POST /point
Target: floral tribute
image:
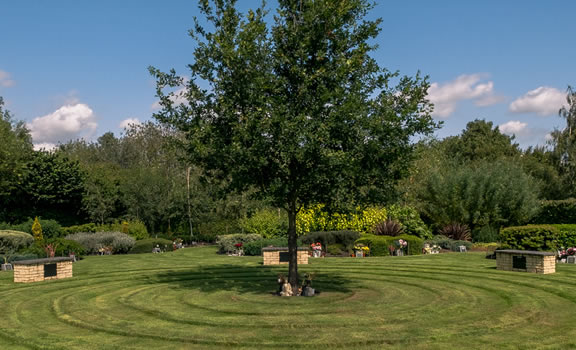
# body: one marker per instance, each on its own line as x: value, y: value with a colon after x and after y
x: 399, y: 247
x: 361, y: 248
x: 563, y: 254
x: 316, y: 249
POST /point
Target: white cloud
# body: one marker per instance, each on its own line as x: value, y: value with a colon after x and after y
x: 44, y: 146
x: 466, y: 87
x: 66, y: 123
x: 5, y: 79
x: 178, y: 96
x: 543, y: 101
x: 524, y: 134
x: 513, y: 127
x: 128, y: 123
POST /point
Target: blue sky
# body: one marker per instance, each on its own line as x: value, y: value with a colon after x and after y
x: 79, y: 68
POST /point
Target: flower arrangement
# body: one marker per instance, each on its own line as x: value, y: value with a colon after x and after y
x: 316, y: 246
x: 398, y: 247
x: 238, y: 245
x: 361, y: 248
x: 316, y: 249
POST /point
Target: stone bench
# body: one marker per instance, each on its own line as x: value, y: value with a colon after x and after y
x: 525, y: 261
x: 26, y: 271
x: 279, y: 255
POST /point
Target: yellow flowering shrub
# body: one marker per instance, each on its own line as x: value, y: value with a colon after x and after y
x: 315, y: 218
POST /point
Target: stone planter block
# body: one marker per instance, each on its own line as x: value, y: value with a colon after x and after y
x: 525, y: 261
x: 279, y: 255
x: 37, y: 270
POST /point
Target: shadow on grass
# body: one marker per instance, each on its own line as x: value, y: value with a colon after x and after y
x: 246, y: 279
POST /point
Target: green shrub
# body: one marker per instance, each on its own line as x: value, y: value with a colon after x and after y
x: 441, y: 241
x: 64, y: 247
x: 12, y: 241
x: 556, y: 212
x: 486, y: 194
x: 456, y: 231
x: 255, y: 248
x: 448, y: 243
x: 490, y: 246
x: 134, y: 228
x: 20, y: 257
x: 91, y: 227
x: 120, y: 243
x: 346, y: 238
x: 455, y: 245
x: 388, y: 228
x: 410, y: 220
x: 566, y: 235
x: 146, y: 245
x: 266, y: 222
x: 336, y: 249
x: 226, y: 242
x: 379, y: 244
x: 485, y: 234
x: 530, y: 237
x: 50, y: 228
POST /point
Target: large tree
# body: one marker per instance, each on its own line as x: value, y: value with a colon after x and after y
x: 564, y: 142
x: 295, y: 105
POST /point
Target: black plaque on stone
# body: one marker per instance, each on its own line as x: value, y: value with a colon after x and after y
x: 50, y: 270
x: 519, y: 262
x: 284, y: 257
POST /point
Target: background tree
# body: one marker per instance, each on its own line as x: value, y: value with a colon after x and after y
x: 481, y: 141
x: 564, y: 143
x: 297, y: 108
x: 486, y: 195
x: 15, y: 153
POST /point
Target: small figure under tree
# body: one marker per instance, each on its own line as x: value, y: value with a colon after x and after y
x: 295, y: 106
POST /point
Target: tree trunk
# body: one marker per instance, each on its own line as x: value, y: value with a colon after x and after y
x: 292, y: 248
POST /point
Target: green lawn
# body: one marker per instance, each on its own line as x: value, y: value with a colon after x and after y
x: 194, y: 298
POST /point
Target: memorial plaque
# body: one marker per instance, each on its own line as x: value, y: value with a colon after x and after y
x: 284, y: 257
x: 50, y: 270
x: 519, y: 262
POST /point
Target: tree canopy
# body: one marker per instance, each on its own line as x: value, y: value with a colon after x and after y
x: 296, y: 106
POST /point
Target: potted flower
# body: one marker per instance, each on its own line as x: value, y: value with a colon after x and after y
x: 6, y: 266
x: 360, y: 250
x: 316, y: 249
x: 400, y: 245
x: 239, y: 250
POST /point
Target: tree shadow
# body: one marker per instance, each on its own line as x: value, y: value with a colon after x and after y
x: 247, y: 279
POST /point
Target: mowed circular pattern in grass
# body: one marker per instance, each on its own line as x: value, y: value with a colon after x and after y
x: 195, y: 298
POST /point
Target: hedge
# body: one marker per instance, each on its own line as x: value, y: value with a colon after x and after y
x: 11, y: 241
x: 146, y: 245
x: 556, y: 212
x: 530, y: 237
x: 448, y: 243
x: 379, y: 244
x: 566, y: 235
x: 226, y: 242
x: 346, y: 238
x: 255, y: 248
x: 93, y: 242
